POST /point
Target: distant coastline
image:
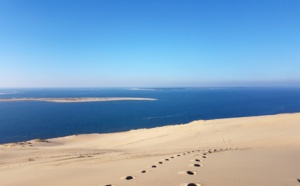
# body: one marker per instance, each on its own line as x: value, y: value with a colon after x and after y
x: 76, y: 100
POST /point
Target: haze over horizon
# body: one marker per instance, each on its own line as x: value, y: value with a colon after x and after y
x: 157, y: 43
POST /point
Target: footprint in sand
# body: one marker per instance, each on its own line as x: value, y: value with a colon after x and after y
x: 197, y: 160
x: 178, y: 154
x: 161, y: 162
x: 144, y: 171
x: 190, y: 172
x: 187, y: 172
x: 154, y: 166
x: 128, y: 177
x: 196, y: 165
x: 193, y: 184
x: 203, y: 156
x: 298, y: 180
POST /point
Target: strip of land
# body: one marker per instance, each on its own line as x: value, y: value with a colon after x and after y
x: 260, y: 151
x: 76, y: 100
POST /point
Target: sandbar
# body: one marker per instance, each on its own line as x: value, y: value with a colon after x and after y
x: 260, y: 151
x: 76, y: 100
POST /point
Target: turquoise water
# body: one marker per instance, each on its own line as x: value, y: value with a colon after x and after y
x: 21, y: 121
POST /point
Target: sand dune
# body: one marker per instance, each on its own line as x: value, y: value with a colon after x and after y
x: 263, y: 150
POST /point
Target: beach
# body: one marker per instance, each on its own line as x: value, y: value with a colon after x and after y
x: 259, y: 150
x: 75, y: 100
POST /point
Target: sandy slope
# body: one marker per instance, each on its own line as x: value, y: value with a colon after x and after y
x: 247, y: 151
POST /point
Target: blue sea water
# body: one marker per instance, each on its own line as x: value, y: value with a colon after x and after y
x: 20, y: 121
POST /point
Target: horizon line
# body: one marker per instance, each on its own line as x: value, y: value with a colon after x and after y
x: 152, y: 87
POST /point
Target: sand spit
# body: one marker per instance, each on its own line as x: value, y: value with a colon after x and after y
x: 76, y: 100
x: 260, y: 151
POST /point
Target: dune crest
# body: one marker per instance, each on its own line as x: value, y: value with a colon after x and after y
x: 261, y: 150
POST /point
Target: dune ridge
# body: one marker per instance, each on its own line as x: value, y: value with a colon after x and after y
x: 260, y: 150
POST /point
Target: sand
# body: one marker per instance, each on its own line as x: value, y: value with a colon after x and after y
x: 76, y: 100
x: 249, y: 151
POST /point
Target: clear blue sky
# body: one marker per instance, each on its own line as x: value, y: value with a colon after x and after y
x: 149, y: 43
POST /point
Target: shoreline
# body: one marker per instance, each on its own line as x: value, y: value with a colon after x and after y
x: 256, y: 150
x: 152, y: 128
x: 76, y: 100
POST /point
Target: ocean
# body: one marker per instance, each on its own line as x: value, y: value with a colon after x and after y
x: 21, y: 121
